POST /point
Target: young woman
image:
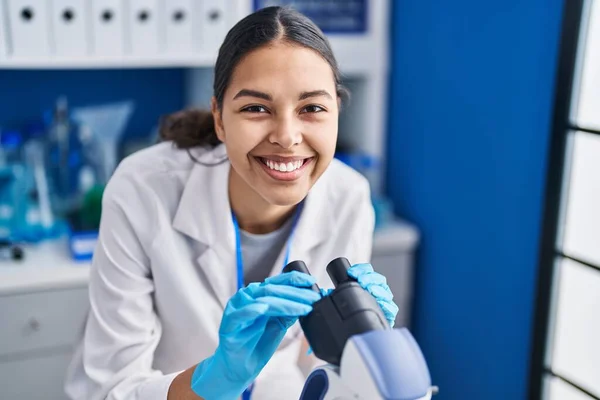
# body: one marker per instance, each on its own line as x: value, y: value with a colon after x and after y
x: 187, y: 296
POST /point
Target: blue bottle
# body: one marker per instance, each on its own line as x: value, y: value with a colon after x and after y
x: 12, y: 180
x: 12, y: 145
x: 65, y: 159
x: 6, y: 203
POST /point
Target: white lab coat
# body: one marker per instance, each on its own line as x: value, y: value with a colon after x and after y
x: 165, y: 267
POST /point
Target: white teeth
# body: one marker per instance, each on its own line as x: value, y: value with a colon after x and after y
x: 284, y: 167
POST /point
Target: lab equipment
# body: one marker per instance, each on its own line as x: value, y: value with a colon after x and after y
x: 13, y: 196
x: 40, y: 223
x: 345, y: 311
x: 367, y: 359
x: 11, y: 143
x: 7, y: 205
x: 84, y: 225
x: 107, y: 122
x: 253, y: 325
x: 10, y: 251
x: 91, y: 208
x: 24, y: 186
x: 35, y: 157
x: 82, y: 244
x: 379, y: 364
x: 21, y: 218
x: 65, y: 158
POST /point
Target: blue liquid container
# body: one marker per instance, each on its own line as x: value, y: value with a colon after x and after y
x: 65, y: 160
x: 12, y: 183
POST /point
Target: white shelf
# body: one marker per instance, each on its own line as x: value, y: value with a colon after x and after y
x: 373, y: 60
x: 160, y: 61
x: 360, y: 54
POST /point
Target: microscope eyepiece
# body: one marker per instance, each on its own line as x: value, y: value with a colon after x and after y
x: 346, y: 311
x: 300, y: 266
x: 337, y: 271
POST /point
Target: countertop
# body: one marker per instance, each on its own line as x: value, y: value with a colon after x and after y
x: 46, y: 266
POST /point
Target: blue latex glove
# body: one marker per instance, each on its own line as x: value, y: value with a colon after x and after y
x: 254, y: 322
x: 376, y: 284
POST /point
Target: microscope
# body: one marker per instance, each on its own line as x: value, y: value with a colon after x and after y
x: 367, y: 359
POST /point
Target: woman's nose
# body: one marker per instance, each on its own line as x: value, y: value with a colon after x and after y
x: 286, y: 133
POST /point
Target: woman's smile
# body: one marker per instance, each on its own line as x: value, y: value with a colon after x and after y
x: 285, y: 168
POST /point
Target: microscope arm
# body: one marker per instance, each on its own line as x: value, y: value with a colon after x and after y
x: 377, y: 365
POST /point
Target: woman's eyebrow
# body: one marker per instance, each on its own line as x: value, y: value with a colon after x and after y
x: 253, y: 93
x: 314, y: 93
x: 268, y: 97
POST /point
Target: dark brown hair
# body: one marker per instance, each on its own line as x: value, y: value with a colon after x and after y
x: 196, y: 127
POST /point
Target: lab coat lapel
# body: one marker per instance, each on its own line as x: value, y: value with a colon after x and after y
x: 204, y: 215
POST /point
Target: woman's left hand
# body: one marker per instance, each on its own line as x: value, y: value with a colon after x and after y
x: 376, y: 284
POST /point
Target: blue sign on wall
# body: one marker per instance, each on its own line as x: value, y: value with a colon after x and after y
x: 332, y: 16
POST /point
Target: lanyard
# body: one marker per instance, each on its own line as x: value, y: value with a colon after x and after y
x: 240, y: 264
x: 238, y: 246
x: 248, y: 392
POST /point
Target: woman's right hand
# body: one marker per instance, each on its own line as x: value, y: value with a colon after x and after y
x: 254, y: 322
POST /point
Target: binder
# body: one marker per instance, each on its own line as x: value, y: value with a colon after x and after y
x: 70, y: 23
x: 3, y: 32
x: 178, y: 26
x: 142, y: 19
x: 29, y: 28
x: 214, y: 25
x: 108, y: 31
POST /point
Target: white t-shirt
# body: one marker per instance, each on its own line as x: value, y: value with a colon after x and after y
x: 260, y: 251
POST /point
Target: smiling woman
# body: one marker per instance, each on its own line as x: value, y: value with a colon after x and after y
x: 275, y: 108
x: 188, y: 299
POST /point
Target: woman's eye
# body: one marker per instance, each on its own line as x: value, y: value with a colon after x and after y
x: 312, y: 109
x: 255, y: 109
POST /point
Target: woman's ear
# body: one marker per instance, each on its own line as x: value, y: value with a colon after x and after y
x: 216, y: 113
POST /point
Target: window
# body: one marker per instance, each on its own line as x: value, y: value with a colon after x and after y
x: 566, y: 355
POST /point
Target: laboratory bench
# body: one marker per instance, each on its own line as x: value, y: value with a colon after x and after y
x: 44, y: 304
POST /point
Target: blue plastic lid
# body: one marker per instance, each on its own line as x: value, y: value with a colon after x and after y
x: 11, y: 139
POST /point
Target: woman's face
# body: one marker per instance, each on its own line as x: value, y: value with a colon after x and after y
x: 279, y: 121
